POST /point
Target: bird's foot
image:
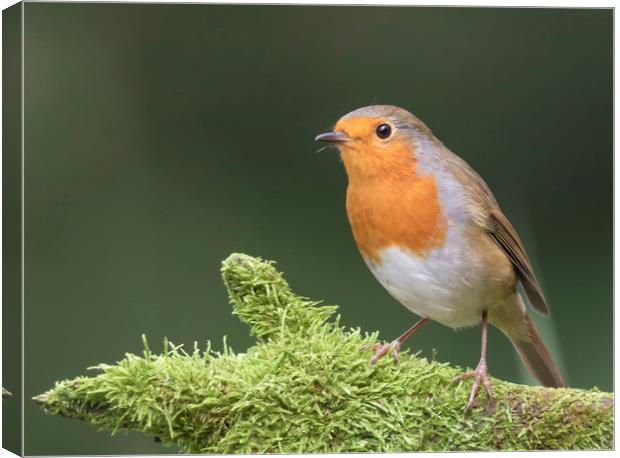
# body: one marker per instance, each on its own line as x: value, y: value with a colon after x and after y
x: 383, y: 349
x: 480, y: 376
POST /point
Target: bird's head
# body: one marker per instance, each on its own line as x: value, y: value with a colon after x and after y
x: 376, y: 141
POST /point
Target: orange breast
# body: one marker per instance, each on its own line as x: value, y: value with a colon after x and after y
x: 396, y: 208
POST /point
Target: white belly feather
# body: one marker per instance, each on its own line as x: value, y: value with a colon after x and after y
x: 446, y: 285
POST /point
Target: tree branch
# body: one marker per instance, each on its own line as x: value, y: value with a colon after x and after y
x: 306, y: 387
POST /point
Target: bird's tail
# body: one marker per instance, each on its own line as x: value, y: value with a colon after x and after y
x: 536, y: 357
x: 512, y: 319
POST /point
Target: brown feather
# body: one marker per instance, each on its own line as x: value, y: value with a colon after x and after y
x: 506, y: 237
x: 536, y: 358
x: 511, y: 318
x: 491, y: 218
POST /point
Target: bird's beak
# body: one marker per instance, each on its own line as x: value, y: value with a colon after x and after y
x: 336, y: 136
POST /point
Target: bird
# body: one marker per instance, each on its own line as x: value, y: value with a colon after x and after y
x: 431, y: 232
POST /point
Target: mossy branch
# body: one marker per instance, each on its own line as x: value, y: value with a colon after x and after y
x: 305, y: 387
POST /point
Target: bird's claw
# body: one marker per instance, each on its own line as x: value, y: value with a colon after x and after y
x: 480, y: 376
x: 383, y: 349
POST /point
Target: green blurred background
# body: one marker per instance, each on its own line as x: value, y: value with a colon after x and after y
x: 161, y: 138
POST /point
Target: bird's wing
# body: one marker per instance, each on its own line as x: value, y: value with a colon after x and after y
x: 490, y: 217
x: 506, y: 237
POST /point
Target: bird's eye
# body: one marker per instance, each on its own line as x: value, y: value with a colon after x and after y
x: 384, y: 131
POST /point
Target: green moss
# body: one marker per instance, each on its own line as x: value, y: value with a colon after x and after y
x: 306, y: 387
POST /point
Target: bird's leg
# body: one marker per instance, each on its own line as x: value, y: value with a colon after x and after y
x: 480, y: 375
x: 394, y: 347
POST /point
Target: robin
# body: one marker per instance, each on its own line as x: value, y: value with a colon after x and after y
x: 433, y: 235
